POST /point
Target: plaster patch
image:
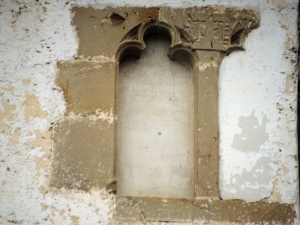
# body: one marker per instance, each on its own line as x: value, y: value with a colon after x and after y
x: 62, y: 212
x: 14, y: 139
x: 102, y: 58
x: 26, y: 82
x: 253, y: 185
x: 204, y: 66
x: 287, y: 44
x: 75, y: 220
x: 253, y: 134
x: 285, y: 169
x: 44, y: 206
x: 43, y: 140
x: 10, y: 89
x: 104, y: 116
x: 98, y: 115
x: 276, y: 196
x: 43, y: 190
x: 288, y: 82
x: 42, y: 162
x: 33, y: 107
x: 29, y: 133
x: 51, y: 219
x: 6, y: 115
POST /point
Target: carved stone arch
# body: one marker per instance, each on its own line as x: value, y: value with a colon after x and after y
x: 133, y: 42
x: 182, y: 52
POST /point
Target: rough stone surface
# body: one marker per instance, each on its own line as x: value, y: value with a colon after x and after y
x: 84, y: 153
x: 95, y: 23
x: 155, y: 209
x: 35, y: 35
x: 84, y: 139
x: 87, y: 85
x: 207, y: 131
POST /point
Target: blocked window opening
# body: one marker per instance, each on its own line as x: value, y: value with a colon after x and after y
x: 84, y: 154
x: 155, y: 137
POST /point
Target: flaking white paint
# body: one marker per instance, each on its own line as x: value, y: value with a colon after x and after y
x: 259, y: 92
x: 263, y: 79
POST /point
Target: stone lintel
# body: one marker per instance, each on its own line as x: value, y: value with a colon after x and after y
x: 180, y: 210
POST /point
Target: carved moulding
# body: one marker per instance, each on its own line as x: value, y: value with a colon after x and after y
x: 198, y: 36
x: 204, y: 28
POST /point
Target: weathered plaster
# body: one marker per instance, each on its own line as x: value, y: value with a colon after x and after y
x: 35, y: 35
x: 88, y: 159
x: 272, y: 104
x: 33, y: 107
x: 252, y: 135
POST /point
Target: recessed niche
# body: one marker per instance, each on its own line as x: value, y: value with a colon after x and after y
x: 155, y: 134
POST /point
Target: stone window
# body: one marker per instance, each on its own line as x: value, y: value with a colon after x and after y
x: 86, y: 140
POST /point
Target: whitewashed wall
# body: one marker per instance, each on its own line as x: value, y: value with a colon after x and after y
x: 258, y: 112
x: 258, y: 145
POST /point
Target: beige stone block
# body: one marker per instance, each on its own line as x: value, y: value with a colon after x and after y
x: 87, y: 85
x: 101, y: 31
x: 153, y: 209
x: 240, y: 212
x: 83, y: 153
x: 180, y: 210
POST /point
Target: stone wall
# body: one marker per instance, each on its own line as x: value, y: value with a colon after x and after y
x: 257, y: 111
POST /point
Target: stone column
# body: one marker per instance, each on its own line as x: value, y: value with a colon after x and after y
x: 206, y: 127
